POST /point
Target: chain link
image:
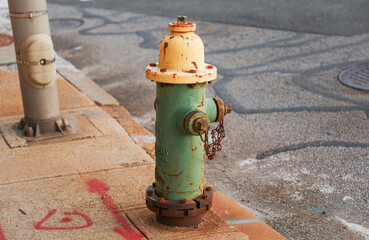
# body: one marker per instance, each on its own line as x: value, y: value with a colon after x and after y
x: 217, y: 136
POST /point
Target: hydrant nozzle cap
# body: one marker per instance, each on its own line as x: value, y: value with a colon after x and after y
x: 182, y: 25
x: 182, y: 19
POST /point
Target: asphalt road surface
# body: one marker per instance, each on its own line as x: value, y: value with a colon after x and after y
x: 297, y: 143
x: 333, y: 17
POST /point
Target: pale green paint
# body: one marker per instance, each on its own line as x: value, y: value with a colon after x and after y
x: 179, y: 171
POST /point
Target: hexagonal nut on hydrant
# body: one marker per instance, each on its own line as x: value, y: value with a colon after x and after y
x: 197, y: 122
x: 200, y: 125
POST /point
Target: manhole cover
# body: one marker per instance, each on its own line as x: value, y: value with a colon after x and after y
x: 65, y: 23
x: 5, y: 40
x: 356, y: 77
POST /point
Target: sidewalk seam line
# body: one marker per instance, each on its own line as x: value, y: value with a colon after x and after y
x: 75, y: 174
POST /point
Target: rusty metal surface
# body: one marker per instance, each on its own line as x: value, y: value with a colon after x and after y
x: 5, y: 40
x: 38, y: 130
x: 356, y: 77
x: 82, y: 128
x: 196, y: 122
x: 217, y: 135
x: 184, y: 213
x: 221, y: 110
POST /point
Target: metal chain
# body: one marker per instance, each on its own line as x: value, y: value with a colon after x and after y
x: 217, y: 136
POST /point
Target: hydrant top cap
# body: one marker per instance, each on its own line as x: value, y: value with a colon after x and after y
x: 182, y: 27
x: 181, y: 57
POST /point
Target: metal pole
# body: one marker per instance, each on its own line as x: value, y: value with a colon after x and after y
x: 36, y: 68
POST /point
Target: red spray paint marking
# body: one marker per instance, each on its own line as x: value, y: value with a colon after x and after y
x: 95, y: 186
x: 52, y: 212
x: 2, y: 235
x: 64, y: 220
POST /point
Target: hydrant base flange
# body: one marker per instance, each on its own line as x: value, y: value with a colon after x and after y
x: 184, y: 213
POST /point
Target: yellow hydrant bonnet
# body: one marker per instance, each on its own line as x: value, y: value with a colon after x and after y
x: 181, y: 57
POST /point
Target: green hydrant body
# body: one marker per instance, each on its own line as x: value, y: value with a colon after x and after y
x: 183, y: 117
x: 179, y: 170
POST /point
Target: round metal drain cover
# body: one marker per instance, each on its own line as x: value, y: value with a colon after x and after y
x: 5, y: 40
x: 356, y: 77
x: 65, y: 23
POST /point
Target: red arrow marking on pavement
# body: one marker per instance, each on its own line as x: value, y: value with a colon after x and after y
x: 52, y: 212
x: 95, y: 186
x: 2, y: 235
x: 66, y: 220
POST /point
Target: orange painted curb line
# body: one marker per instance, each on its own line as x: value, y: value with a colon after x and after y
x: 234, y: 214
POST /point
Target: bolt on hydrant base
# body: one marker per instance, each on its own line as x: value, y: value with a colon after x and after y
x: 183, y: 117
x: 183, y: 213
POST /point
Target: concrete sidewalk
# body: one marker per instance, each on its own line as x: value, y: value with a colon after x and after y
x: 90, y: 184
x: 297, y: 147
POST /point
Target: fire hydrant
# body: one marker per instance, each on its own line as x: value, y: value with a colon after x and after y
x: 183, y: 117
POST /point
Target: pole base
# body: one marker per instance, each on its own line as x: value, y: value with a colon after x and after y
x: 35, y: 130
x: 184, y: 213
